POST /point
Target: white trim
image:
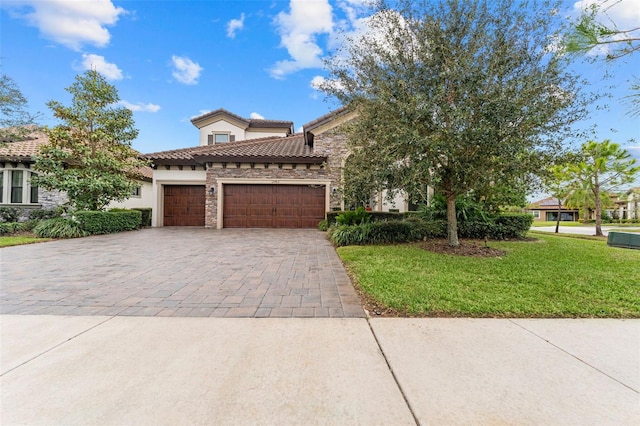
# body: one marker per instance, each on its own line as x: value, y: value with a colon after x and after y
x: 261, y: 181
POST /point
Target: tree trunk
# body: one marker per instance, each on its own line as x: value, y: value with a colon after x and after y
x: 452, y: 223
x: 558, y: 215
x: 596, y: 195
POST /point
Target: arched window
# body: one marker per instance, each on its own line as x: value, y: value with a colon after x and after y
x: 16, y: 188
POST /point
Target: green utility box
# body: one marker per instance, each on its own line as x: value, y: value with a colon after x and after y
x: 624, y: 240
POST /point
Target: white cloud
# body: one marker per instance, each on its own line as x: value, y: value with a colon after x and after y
x: 256, y: 116
x: 185, y: 70
x: 71, y: 23
x: 140, y: 107
x: 235, y: 25
x: 298, y: 31
x: 98, y: 63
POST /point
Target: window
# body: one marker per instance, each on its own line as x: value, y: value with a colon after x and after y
x: 221, y: 137
x: 15, y: 187
x: 215, y: 138
x: 136, y: 192
x: 536, y: 214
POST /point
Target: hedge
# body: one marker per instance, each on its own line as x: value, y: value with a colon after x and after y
x: 101, y: 222
x: 146, y: 215
x: 507, y: 226
x: 373, y: 216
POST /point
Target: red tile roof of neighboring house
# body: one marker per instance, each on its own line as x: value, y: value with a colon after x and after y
x: 549, y: 203
x: 291, y: 149
x: 23, y: 152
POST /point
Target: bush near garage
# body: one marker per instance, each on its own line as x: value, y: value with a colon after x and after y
x: 108, y: 222
x: 146, y: 215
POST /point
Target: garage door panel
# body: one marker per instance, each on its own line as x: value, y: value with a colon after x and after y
x: 184, y: 205
x: 273, y: 206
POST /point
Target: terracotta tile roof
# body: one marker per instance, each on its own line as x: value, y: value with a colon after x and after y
x: 272, y: 149
x: 23, y: 151
x: 249, y: 122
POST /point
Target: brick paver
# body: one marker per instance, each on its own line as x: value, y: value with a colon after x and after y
x: 191, y: 272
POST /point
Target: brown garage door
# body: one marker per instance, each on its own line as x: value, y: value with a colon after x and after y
x: 273, y: 206
x: 184, y: 205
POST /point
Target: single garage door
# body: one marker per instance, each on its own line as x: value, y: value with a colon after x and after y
x: 273, y: 206
x: 184, y: 205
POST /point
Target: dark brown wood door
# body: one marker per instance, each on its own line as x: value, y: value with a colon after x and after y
x: 184, y: 205
x: 273, y: 206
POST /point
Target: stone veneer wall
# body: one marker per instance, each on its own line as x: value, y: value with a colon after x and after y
x: 51, y: 199
x: 331, y: 144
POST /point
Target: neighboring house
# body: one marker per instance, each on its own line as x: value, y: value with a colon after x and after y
x: 547, y: 210
x: 280, y: 181
x: 16, y: 169
x: 633, y: 203
x: 627, y: 205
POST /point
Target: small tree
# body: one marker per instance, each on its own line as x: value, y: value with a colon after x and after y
x: 89, y: 156
x: 15, y: 120
x: 604, y: 168
x: 457, y: 94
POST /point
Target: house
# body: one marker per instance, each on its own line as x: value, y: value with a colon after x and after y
x: 281, y: 180
x: 547, y: 210
x: 16, y: 162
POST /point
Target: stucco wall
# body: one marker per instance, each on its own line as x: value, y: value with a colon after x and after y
x: 145, y: 199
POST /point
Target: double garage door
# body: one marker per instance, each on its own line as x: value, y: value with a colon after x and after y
x: 273, y: 206
x: 248, y: 206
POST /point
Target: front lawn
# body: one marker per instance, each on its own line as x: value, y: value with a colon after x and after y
x: 550, y: 277
x: 17, y: 240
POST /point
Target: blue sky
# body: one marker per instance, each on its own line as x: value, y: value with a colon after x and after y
x: 173, y: 60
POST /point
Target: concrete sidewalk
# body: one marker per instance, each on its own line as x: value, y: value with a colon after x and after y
x: 585, y: 230
x: 149, y: 370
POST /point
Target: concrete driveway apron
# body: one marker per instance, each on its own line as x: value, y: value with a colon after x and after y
x: 180, y: 272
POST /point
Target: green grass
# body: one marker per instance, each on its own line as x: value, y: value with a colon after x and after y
x: 551, y: 277
x: 20, y: 240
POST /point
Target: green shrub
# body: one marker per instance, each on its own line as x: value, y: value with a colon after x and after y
x: 10, y: 214
x: 332, y: 217
x: 427, y: 229
x: 323, y: 225
x: 11, y: 227
x: 353, y: 217
x: 42, y: 214
x: 59, y: 227
x: 146, y: 215
x: 374, y: 233
x: 101, y: 222
x: 516, y: 225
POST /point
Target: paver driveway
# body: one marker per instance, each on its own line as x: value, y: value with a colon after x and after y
x: 180, y: 272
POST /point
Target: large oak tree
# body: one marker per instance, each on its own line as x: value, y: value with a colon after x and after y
x: 463, y: 95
